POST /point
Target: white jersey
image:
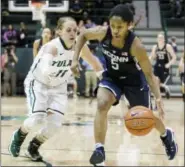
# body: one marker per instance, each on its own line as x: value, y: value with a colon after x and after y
x: 60, y: 65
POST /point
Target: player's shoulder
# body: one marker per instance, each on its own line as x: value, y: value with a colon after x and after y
x: 50, y: 47
x: 168, y: 45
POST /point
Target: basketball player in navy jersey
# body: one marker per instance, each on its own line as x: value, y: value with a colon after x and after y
x: 129, y: 72
x: 46, y: 37
x: 165, y: 57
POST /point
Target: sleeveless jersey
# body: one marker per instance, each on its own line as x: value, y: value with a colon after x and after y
x: 120, y: 64
x: 162, y: 56
x: 60, y: 65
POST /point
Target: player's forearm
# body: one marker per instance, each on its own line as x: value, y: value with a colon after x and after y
x: 154, y: 86
x: 46, y: 62
x: 172, y: 61
x: 97, y: 66
x: 78, y: 47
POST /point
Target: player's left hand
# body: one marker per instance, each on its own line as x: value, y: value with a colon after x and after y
x: 160, y: 107
x: 75, y: 68
x: 167, y: 65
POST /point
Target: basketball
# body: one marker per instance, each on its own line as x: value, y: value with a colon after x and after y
x: 139, y: 120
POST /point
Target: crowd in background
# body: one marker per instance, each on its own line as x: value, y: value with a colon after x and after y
x: 12, y: 38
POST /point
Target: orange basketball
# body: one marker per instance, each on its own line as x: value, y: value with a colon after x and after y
x: 139, y: 120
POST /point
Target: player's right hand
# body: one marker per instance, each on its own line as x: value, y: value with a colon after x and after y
x: 75, y: 68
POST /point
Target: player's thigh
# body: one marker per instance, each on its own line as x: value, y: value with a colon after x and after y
x: 159, y: 72
x: 105, y: 98
x: 137, y: 96
x: 57, y: 103
x: 111, y: 91
x: 36, y: 96
x: 166, y: 76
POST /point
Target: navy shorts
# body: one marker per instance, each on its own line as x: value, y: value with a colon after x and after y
x: 136, y: 95
x: 162, y: 73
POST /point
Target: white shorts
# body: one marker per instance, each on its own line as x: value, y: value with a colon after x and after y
x: 71, y: 80
x: 41, y: 98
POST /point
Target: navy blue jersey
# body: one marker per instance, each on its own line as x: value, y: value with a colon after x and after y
x: 162, y: 56
x: 121, y: 65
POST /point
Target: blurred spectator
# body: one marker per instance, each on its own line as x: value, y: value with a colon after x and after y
x: 89, y: 7
x: 90, y: 24
x: 4, y: 8
x: 99, y: 10
x: 72, y: 87
x: 90, y: 78
x: 105, y: 23
x: 99, y: 3
x: 10, y: 36
x: 46, y: 37
x: 22, y: 35
x: 3, y: 57
x: 75, y: 7
x: 3, y: 29
x: 174, y: 44
x: 10, y: 60
x: 85, y: 15
x: 176, y: 8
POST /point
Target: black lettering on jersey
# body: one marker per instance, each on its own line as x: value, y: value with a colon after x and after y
x: 54, y: 62
x: 60, y: 63
x: 69, y: 63
x: 64, y: 63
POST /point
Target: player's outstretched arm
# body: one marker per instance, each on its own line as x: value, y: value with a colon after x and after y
x: 172, y: 54
x: 92, y: 60
x: 138, y: 51
x: 96, y: 33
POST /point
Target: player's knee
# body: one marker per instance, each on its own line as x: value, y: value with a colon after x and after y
x: 34, y: 121
x: 103, y: 105
x: 54, y: 123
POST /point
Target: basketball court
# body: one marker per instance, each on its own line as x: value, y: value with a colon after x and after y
x: 74, y: 144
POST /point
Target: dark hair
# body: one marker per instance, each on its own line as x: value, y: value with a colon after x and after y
x: 124, y: 11
x: 132, y: 7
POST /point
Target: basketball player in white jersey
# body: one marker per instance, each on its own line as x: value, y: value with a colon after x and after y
x: 46, y: 88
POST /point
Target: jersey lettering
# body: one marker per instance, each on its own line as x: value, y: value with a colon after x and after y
x: 61, y: 73
x: 161, y: 56
x: 63, y: 63
x: 114, y: 57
